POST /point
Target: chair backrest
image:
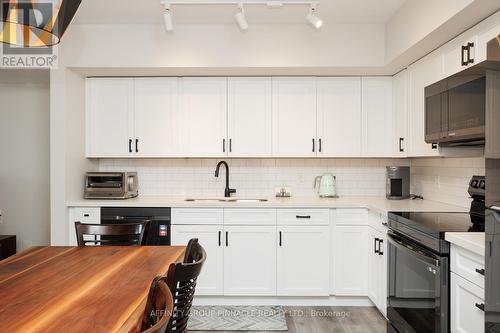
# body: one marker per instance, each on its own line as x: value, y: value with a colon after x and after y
x: 181, y: 280
x: 159, y: 307
x: 127, y: 234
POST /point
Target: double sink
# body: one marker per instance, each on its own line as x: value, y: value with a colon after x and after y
x: 225, y: 200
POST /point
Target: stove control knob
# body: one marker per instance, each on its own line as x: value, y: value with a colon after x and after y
x: 482, y: 185
x: 473, y: 183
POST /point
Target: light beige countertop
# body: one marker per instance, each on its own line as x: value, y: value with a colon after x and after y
x: 472, y: 241
x: 379, y: 204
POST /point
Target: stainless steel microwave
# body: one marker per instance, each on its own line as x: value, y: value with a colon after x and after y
x: 455, y: 110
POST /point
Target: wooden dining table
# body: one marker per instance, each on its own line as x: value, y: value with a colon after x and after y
x: 80, y: 289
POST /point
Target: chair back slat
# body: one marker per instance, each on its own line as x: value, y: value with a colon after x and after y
x: 159, y: 307
x: 126, y: 234
x: 181, y: 280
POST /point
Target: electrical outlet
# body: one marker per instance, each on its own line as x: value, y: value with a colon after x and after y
x: 1, y: 219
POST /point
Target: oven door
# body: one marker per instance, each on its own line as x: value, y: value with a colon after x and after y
x: 418, y: 288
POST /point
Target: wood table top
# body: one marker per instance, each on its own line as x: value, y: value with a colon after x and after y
x: 80, y: 289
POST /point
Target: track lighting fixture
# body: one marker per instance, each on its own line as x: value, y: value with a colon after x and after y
x: 167, y: 18
x: 240, y: 18
x: 312, y: 19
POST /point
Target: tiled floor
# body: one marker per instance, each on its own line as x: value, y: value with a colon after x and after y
x: 332, y: 320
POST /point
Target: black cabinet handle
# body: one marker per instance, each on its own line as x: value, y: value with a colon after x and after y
x: 469, y: 59
x: 223, y: 145
x: 230, y: 145
x: 280, y: 238
x: 129, y: 145
x: 227, y: 239
x: 314, y: 142
x: 380, y: 252
x: 320, y: 145
x: 464, y: 59
x: 401, y: 149
x: 480, y: 271
x: 302, y: 216
x: 434, y: 146
x: 136, y: 145
x: 375, y: 241
x: 86, y: 215
x: 220, y: 232
x: 480, y: 306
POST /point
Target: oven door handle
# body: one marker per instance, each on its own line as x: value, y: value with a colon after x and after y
x: 397, y: 242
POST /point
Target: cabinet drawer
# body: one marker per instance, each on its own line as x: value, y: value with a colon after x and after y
x: 466, y: 298
x: 238, y: 216
x: 303, y: 216
x: 351, y: 216
x: 90, y: 215
x: 467, y: 264
x: 197, y: 216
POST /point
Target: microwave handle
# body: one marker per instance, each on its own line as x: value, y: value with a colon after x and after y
x: 398, y: 243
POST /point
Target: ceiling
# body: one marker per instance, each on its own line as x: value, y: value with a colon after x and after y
x: 150, y: 11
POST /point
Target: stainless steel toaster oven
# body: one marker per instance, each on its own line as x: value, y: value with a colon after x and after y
x: 111, y: 185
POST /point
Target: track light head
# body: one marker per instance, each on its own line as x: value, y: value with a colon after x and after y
x: 312, y: 19
x: 167, y: 18
x: 240, y: 18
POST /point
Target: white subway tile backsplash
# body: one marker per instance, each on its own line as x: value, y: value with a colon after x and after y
x: 439, y: 179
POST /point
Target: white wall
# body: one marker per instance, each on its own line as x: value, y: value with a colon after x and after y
x: 24, y: 166
x: 223, y: 46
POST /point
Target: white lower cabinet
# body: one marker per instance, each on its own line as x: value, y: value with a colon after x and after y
x: 250, y: 260
x: 303, y: 260
x: 466, y: 302
x: 210, y: 281
x: 351, y: 260
x: 377, y: 266
x: 87, y: 215
x: 467, y: 291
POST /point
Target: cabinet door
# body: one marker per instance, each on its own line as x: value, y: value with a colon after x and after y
x: 250, y: 260
x: 374, y: 287
x: 109, y: 117
x: 351, y: 260
x: 210, y: 281
x: 339, y: 117
x: 249, y: 117
x: 466, y: 317
x: 382, y: 303
x: 156, y: 116
x: 294, y: 117
x: 421, y: 74
x: 400, y: 114
x: 459, y: 52
x: 376, y: 104
x: 204, y: 117
x: 303, y: 260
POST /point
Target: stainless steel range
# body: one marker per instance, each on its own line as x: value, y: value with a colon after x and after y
x: 419, y: 272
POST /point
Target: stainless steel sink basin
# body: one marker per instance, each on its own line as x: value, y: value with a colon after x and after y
x: 226, y: 200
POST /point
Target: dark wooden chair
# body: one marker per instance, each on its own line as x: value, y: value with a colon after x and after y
x: 159, y: 307
x: 181, y: 280
x: 129, y: 234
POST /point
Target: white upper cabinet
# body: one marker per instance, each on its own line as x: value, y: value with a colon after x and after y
x: 294, y: 117
x: 203, y: 107
x: 339, y: 117
x: 156, y: 115
x: 460, y: 53
x: 421, y: 74
x: 109, y: 117
x: 376, y: 116
x: 400, y: 114
x: 249, y: 117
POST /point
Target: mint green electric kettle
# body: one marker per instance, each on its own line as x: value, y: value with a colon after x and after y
x: 326, y: 185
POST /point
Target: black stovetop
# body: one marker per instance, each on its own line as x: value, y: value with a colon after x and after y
x: 436, y: 224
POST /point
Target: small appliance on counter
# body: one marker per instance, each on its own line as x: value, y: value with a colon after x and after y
x: 111, y: 185
x: 326, y: 186
x: 397, y: 182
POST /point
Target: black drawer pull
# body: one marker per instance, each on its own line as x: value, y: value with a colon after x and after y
x: 86, y: 215
x: 375, y: 241
x: 380, y: 252
x: 480, y: 306
x: 220, y: 237
x: 303, y: 216
x: 480, y: 271
x: 227, y: 239
x: 280, y: 239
